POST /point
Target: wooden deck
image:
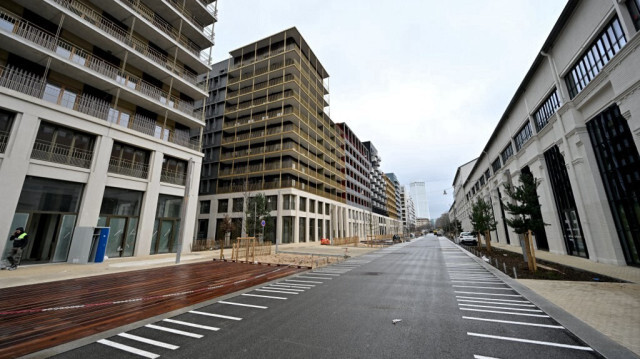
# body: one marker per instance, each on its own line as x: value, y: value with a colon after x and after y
x: 40, y: 316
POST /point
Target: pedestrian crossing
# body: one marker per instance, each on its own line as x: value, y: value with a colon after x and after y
x: 497, y: 313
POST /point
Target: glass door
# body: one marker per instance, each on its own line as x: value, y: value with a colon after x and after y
x: 65, y: 234
x: 165, y: 239
x: 130, y: 240
x: 19, y: 220
x: 116, y: 235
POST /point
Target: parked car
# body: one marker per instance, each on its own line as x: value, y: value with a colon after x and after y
x: 467, y: 238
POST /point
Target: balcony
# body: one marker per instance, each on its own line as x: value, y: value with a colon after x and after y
x: 53, y: 152
x: 173, y: 177
x: 30, y: 84
x: 4, y: 138
x: 128, y: 168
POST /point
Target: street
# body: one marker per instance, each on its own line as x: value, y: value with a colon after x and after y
x: 422, y: 299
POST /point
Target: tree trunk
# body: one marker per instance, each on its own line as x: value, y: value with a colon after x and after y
x: 479, y: 240
x: 527, y: 244
x: 487, y: 239
x: 532, y: 252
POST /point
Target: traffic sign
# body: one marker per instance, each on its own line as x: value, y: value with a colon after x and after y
x: 263, y: 223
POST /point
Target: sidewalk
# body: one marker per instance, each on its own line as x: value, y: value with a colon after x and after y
x: 611, y: 308
x: 50, y: 272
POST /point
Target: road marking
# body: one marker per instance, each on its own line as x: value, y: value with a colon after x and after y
x: 301, y: 276
x: 492, y: 302
x: 263, y: 296
x: 191, y: 324
x: 214, y: 315
x: 275, y: 291
x: 492, y: 307
x: 475, y: 286
x: 174, y: 331
x: 518, y: 323
x: 297, y: 286
x: 129, y: 349
x: 273, y: 286
x: 478, y: 293
x: 242, y: 304
x: 324, y: 273
x: 494, y: 299
x: 148, y: 341
x: 482, y: 357
x: 510, y: 313
x: 530, y: 341
x: 303, y: 281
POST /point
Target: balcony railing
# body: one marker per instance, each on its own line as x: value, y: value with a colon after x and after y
x: 4, y: 138
x: 97, y: 20
x: 173, y: 177
x: 192, y: 19
x: 128, y: 168
x: 70, y: 52
x: 33, y: 85
x: 53, y: 152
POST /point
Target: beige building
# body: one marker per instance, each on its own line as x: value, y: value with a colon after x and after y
x: 574, y: 124
x: 97, y: 123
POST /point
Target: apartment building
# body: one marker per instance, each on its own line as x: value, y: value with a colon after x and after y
x: 574, y: 124
x: 393, y: 196
x: 378, y: 185
x: 408, y: 210
x: 97, y: 122
x: 418, y: 192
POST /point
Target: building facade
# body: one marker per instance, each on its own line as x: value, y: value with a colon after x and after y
x: 408, y: 211
x: 378, y: 185
x: 98, y: 125
x: 461, y: 207
x: 357, y: 169
x: 574, y: 124
x: 418, y: 191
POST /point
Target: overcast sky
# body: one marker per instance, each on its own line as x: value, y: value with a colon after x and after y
x: 426, y: 81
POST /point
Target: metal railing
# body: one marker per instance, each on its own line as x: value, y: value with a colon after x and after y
x: 53, y: 152
x: 173, y: 177
x: 128, y: 168
x: 4, y: 138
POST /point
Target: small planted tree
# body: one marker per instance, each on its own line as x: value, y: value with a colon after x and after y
x: 256, y: 212
x: 525, y: 212
x: 227, y: 227
x: 482, y: 221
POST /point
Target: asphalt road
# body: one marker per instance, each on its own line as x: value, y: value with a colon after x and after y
x: 448, y: 306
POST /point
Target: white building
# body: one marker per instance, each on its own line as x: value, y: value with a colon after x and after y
x: 408, y: 210
x: 461, y: 208
x: 574, y: 124
x: 96, y: 122
x: 418, y: 191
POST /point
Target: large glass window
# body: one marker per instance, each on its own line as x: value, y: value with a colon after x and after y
x: 634, y: 11
x: 598, y: 54
x: 166, y: 229
x: 63, y: 145
x: 546, y: 110
x: 506, y: 153
x: 319, y: 207
x: 523, y: 136
x: 289, y: 202
x: 303, y: 204
x: 129, y: 161
x: 205, y: 207
x: 223, y: 205
x: 312, y: 206
x: 44, y: 194
x: 495, y: 166
x: 312, y: 229
x: 120, y: 210
x: 302, y: 229
x: 272, y: 203
x: 173, y: 171
x: 6, y: 121
x: 238, y: 204
x: 287, y: 229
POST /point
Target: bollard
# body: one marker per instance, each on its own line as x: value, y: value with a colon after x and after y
x: 504, y: 265
x: 515, y: 274
x: 496, y: 262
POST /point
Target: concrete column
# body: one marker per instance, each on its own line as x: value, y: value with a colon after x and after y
x: 548, y: 208
x: 279, y: 219
x: 296, y: 228
x: 191, y: 213
x: 149, y: 206
x: 13, y: 169
x: 94, y: 189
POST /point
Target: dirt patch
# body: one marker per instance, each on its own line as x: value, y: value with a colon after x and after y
x: 298, y: 260
x: 546, y: 270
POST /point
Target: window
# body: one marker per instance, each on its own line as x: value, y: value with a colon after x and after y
x: 495, y: 166
x: 6, y: 121
x: 506, y: 153
x: 303, y: 204
x: 302, y: 229
x: 312, y: 230
x: 546, y: 110
x: 223, y: 205
x: 599, y: 53
x: 237, y: 204
x: 203, y: 228
x: 487, y: 174
x: 63, y: 145
x: 173, y: 171
x: 272, y: 203
x: 205, y: 207
x: 634, y: 11
x: 523, y: 136
x: 129, y: 161
x: 327, y: 209
x: 289, y: 201
x: 319, y: 207
x: 312, y: 206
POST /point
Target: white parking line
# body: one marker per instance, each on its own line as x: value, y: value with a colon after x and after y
x: 174, y: 331
x: 214, y: 315
x: 148, y: 341
x: 492, y: 307
x: 530, y: 341
x: 242, y: 304
x: 302, y: 281
x: 129, y: 349
x: 206, y: 327
x: 493, y: 302
x: 263, y: 296
x: 324, y: 273
x: 297, y: 286
x: 301, y: 276
x: 273, y: 286
x: 518, y: 323
x: 510, y: 313
x: 475, y: 286
x: 483, y: 357
x: 479, y: 293
x: 478, y: 281
x: 494, y: 299
x: 276, y: 291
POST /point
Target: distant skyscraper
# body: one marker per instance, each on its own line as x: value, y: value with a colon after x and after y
x: 418, y: 192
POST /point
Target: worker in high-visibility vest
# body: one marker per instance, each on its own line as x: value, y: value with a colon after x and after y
x: 20, y: 240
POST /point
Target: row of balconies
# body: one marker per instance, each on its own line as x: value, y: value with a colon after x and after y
x: 35, y: 86
x: 68, y: 52
x: 278, y: 184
